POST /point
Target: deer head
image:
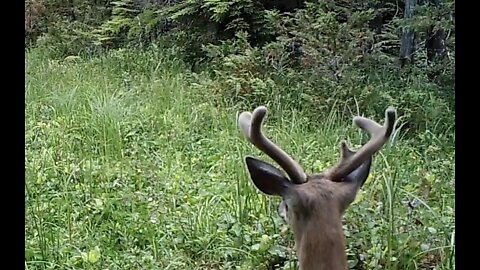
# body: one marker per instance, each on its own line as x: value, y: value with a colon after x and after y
x: 313, y: 205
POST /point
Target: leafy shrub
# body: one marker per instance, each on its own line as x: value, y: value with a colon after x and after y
x: 66, y: 38
x: 340, y: 64
x: 34, y: 11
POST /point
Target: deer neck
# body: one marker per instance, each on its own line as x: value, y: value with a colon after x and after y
x: 322, y: 246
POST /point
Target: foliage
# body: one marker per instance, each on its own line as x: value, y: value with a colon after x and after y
x: 341, y: 63
x: 228, y: 17
x: 133, y: 158
x: 130, y: 164
x: 33, y: 24
x: 67, y: 38
x: 117, y: 27
x: 66, y: 27
x: 130, y: 25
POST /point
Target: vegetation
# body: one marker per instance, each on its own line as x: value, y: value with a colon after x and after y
x: 134, y: 159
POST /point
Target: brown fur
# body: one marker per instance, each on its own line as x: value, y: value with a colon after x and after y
x: 319, y: 238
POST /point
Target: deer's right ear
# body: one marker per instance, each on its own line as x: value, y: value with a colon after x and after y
x: 267, y: 178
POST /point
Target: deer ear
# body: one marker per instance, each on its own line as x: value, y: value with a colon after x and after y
x: 360, y: 174
x: 267, y: 178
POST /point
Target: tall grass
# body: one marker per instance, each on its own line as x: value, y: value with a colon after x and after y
x: 131, y: 164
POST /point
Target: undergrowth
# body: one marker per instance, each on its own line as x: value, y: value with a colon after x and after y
x: 134, y: 162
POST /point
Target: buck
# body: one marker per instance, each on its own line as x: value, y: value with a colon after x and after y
x: 313, y: 205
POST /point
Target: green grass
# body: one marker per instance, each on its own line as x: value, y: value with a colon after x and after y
x: 132, y: 164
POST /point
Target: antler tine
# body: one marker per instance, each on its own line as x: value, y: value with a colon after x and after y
x: 350, y: 160
x: 251, y: 126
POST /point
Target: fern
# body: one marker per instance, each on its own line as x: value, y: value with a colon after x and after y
x: 116, y: 29
x: 179, y: 11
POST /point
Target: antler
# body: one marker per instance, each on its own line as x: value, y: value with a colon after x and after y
x: 350, y: 160
x: 251, y: 127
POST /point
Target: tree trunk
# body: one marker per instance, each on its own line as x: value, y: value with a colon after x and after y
x: 71, y: 10
x: 436, y: 49
x: 407, y: 46
x: 435, y: 44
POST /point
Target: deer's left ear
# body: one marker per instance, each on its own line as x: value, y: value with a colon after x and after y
x: 354, y: 181
x: 360, y: 174
x: 267, y: 178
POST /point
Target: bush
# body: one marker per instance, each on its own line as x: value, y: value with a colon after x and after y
x: 326, y: 57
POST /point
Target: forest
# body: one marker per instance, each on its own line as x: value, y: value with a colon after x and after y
x: 134, y: 158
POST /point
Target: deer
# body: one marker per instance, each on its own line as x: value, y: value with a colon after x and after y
x: 313, y: 205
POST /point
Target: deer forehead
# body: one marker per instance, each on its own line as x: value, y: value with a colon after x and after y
x: 314, y: 202
x: 317, y: 192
